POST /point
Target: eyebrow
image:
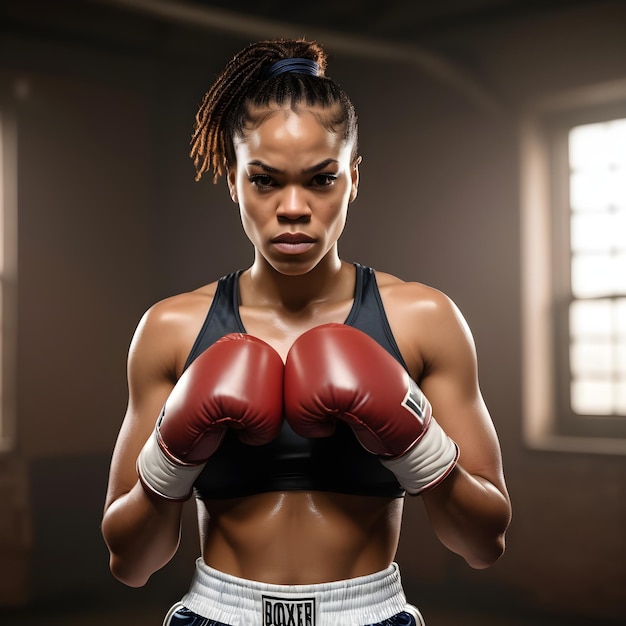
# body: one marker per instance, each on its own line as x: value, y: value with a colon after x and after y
x: 309, y: 170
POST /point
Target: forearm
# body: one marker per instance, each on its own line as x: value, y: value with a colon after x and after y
x: 470, y: 517
x: 142, y: 534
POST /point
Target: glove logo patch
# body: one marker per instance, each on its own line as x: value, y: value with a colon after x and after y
x: 415, y: 402
x: 288, y: 611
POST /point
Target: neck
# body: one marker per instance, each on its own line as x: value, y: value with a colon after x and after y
x: 327, y: 281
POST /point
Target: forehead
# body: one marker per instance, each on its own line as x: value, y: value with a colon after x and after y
x: 276, y: 127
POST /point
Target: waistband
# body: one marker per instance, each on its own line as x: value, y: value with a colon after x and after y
x: 241, y: 602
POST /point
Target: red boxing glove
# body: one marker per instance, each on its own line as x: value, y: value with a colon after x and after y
x: 334, y: 372
x: 236, y: 383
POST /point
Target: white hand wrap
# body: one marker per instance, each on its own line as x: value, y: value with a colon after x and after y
x: 427, y: 463
x: 162, y: 476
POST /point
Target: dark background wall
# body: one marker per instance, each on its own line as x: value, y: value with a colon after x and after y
x: 111, y: 220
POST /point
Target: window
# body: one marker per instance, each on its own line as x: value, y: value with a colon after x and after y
x: 574, y: 271
x: 597, y: 310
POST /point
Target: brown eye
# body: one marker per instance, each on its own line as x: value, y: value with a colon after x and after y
x: 262, y: 181
x: 324, y: 180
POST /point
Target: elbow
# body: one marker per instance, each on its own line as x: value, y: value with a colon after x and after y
x: 125, y: 574
x: 493, y: 543
x: 122, y: 565
x: 488, y: 555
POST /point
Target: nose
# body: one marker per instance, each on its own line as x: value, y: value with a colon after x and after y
x: 293, y: 205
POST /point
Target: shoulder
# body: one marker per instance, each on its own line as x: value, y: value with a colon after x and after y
x: 177, y: 312
x: 177, y: 309
x: 426, y: 322
x: 415, y: 299
x: 168, y: 329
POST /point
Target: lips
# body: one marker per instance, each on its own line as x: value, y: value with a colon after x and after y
x: 293, y: 243
x: 293, y: 238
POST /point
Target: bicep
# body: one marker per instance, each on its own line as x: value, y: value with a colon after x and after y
x: 451, y: 384
x: 149, y: 384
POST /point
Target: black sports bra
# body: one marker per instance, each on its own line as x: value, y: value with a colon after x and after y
x: 290, y: 462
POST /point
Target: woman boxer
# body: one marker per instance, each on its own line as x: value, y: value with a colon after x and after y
x: 285, y: 393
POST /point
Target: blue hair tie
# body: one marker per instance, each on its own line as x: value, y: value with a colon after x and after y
x: 298, y: 66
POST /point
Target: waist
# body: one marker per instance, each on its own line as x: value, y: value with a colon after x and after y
x: 250, y: 537
x: 355, y: 601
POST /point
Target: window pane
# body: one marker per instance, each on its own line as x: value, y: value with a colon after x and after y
x: 589, y: 146
x: 591, y: 232
x: 617, y: 147
x: 596, y: 146
x: 591, y: 190
x: 592, y: 397
x: 619, y: 273
x: 597, y: 157
x: 620, y: 359
x: 620, y: 317
x: 619, y: 225
x: 591, y: 318
x: 616, y: 191
x: 589, y: 358
x: 592, y: 275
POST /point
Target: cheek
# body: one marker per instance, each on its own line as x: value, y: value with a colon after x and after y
x: 339, y: 205
x: 246, y: 220
x: 252, y: 218
x: 335, y: 218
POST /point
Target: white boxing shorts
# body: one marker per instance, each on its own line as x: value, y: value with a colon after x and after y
x: 218, y: 599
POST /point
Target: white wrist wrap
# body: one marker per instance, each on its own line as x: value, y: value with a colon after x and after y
x: 427, y: 463
x: 162, y: 476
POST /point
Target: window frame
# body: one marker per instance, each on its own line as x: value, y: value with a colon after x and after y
x: 557, y: 128
x: 548, y: 419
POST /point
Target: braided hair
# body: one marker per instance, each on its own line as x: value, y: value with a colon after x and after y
x: 242, y: 86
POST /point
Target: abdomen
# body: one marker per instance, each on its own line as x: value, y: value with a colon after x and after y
x: 300, y: 537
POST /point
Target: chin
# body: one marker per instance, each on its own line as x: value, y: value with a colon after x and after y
x: 293, y: 268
